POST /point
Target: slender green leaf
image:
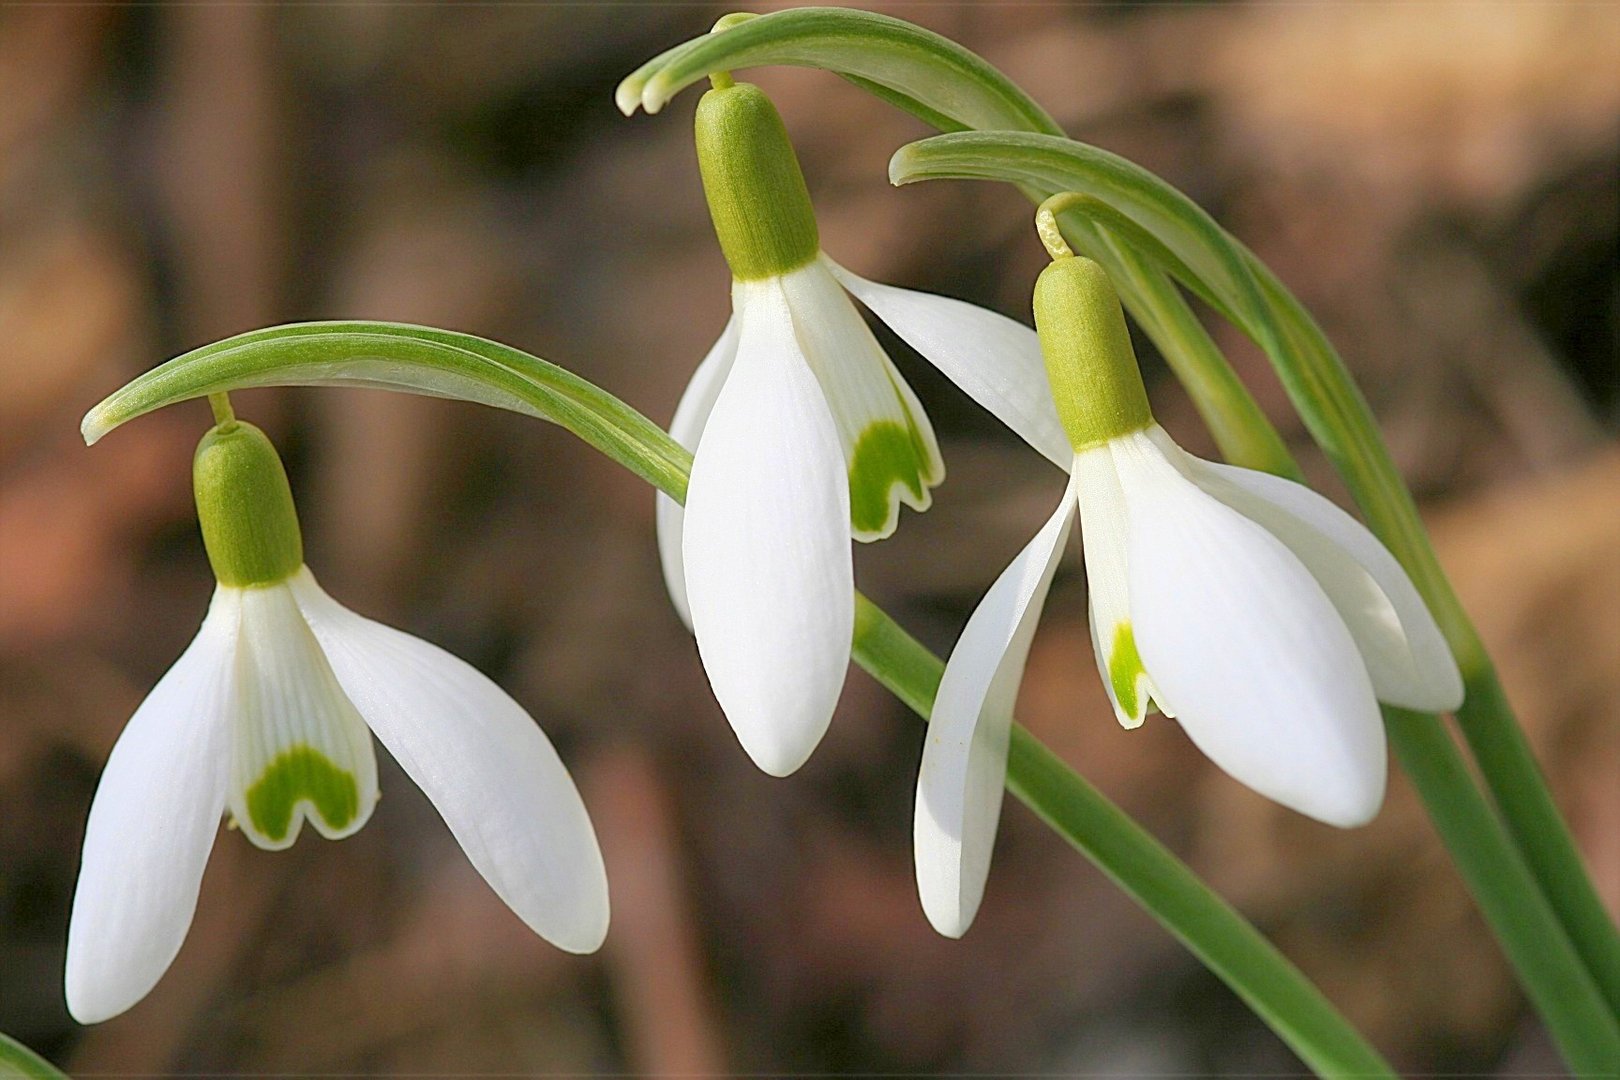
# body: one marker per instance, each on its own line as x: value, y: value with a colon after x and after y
x: 16, y: 1060
x: 1498, y: 875
x: 1504, y: 755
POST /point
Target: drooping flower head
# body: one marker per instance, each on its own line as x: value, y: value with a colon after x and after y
x: 1258, y: 615
x: 804, y: 435
x: 268, y: 715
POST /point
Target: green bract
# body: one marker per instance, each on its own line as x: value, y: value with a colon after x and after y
x: 413, y: 359
x: 249, y: 525
x: 1095, y: 380
x: 757, y: 198
x: 916, y: 69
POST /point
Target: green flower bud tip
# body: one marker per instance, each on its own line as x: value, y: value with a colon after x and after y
x: 1089, y: 360
x: 245, y: 507
x: 757, y: 198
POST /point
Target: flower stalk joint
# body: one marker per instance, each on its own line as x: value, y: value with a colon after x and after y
x: 245, y: 506
x: 757, y: 196
x: 1089, y: 359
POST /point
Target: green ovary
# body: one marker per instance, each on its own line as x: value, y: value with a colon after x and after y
x: 886, y: 454
x: 1125, y: 668
x: 302, y: 773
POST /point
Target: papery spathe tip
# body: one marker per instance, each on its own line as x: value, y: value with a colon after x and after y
x: 655, y: 94
x: 627, y: 96
x: 95, y: 424
x: 899, y: 166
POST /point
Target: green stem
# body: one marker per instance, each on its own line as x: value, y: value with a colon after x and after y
x: 221, y: 404
x: 1529, y: 907
x: 1504, y: 756
x: 1347, y: 432
x: 1562, y: 989
x: 1165, y: 886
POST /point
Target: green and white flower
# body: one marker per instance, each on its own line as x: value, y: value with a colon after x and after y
x: 269, y: 714
x: 804, y: 435
x: 1264, y: 619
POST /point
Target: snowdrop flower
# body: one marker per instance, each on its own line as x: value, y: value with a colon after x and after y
x: 1265, y: 620
x: 804, y: 434
x: 269, y: 714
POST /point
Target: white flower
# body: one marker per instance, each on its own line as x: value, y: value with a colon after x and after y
x: 1264, y: 619
x: 804, y: 434
x: 269, y: 714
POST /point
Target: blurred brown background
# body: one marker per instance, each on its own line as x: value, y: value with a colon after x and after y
x: 1437, y: 182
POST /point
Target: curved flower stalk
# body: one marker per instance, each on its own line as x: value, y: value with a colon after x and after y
x: 269, y: 714
x: 804, y: 434
x: 1265, y: 620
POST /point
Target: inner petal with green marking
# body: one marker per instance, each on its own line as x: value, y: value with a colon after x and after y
x: 890, y: 463
x: 303, y: 779
x: 889, y: 445
x: 1127, y: 677
x: 300, y: 750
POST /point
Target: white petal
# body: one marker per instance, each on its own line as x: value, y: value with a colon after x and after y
x: 1103, y: 534
x: 299, y: 751
x: 964, y: 763
x: 686, y: 428
x: 152, y: 825
x: 769, y: 573
x: 888, y: 443
x: 484, y: 763
x: 1407, y: 656
x: 995, y: 360
x: 1246, y: 649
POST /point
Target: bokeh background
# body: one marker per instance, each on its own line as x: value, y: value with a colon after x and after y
x: 1437, y: 182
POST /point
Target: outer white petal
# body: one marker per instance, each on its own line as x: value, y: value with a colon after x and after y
x: 995, y: 360
x: 686, y: 428
x: 964, y: 763
x: 484, y: 763
x: 152, y: 825
x: 888, y: 443
x: 299, y: 751
x: 1246, y: 649
x: 1405, y: 652
x: 769, y: 573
